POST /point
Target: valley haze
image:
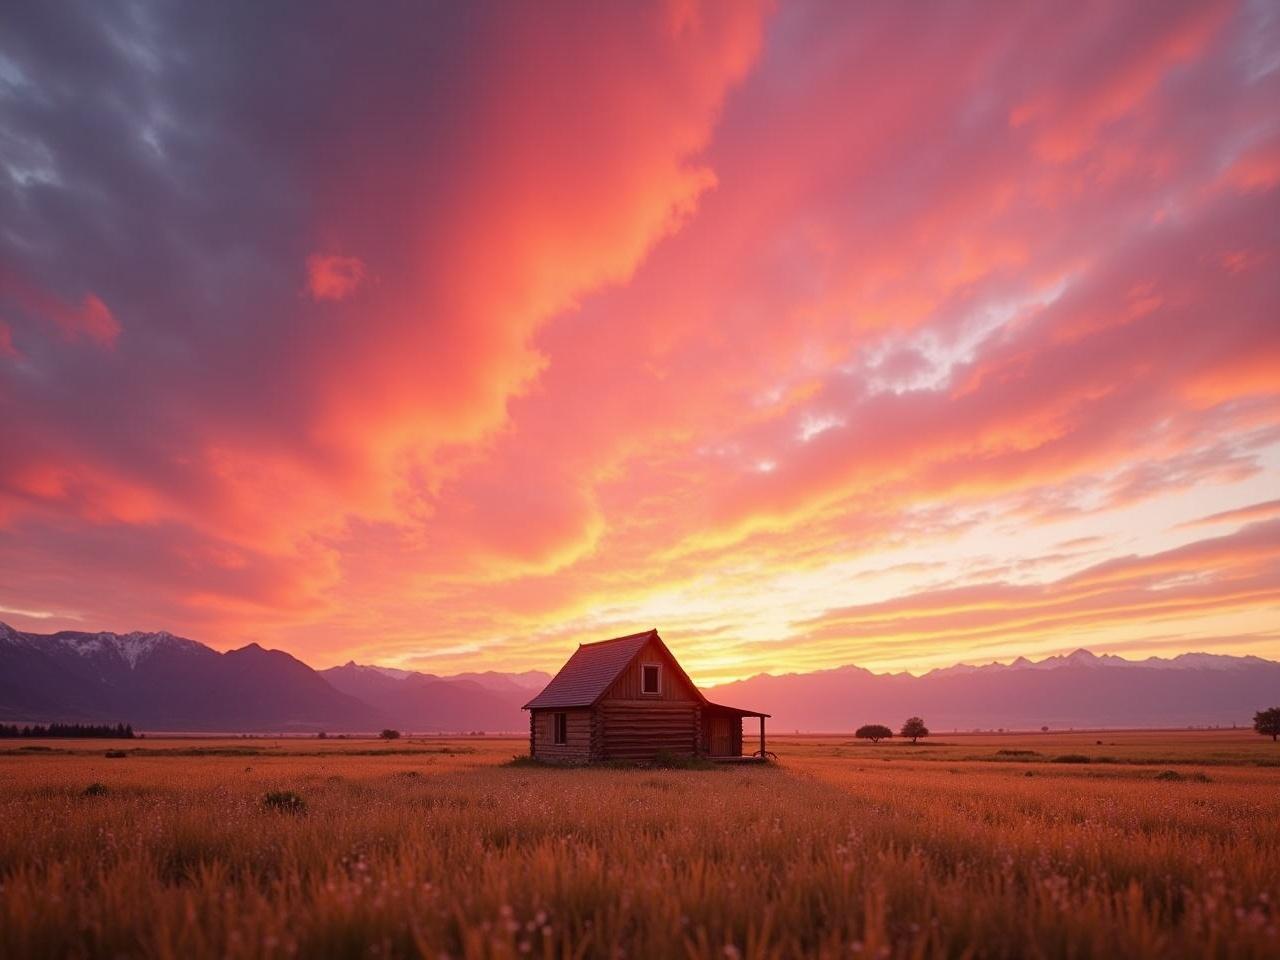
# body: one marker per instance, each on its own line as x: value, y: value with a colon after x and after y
x: 162, y: 682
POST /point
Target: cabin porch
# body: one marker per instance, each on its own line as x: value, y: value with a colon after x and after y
x: 721, y: 734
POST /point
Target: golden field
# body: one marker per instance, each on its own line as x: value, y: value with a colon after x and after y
x: 438, y: 847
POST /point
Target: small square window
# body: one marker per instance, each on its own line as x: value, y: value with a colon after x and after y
x: 650, y: 678
x: 560, y: 727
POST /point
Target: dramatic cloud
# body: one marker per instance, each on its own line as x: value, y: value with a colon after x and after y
x: 456, y: 335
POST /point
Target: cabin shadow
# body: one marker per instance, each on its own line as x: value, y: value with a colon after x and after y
x: 662, y: 762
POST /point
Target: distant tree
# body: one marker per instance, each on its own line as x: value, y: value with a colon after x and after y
x: 390, y: 734
x: 1044, y: 729
x: 121, y: 731
x: 914, y: 728
x: 1267, y: 722
x: 875, y: 732
x: 322, y: 735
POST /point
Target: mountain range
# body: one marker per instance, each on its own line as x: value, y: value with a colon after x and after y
x: 161, y: 682
x: 1079, y: 689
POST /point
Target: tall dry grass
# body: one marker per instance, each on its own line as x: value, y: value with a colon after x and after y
x: 457, y: 855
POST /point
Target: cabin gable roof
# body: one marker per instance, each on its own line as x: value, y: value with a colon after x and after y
x: 590, y: 672
x: 594, y: 668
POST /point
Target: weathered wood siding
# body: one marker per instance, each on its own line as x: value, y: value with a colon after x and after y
x: 641, y: 729
x: 673, y: 686
x: 722, y: 735
x: 578, y: 745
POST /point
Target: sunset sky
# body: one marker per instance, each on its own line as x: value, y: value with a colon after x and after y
x: 450, y: 336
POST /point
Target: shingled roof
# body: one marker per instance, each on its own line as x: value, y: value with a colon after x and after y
x: 590, y: 672
x: 593, y: 668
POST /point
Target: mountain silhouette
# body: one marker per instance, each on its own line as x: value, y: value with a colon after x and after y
x: 1080, y: 689
x: 161, y: 682
x: 420, y: 701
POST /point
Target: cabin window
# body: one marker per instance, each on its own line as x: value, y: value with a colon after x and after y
x: 650, y: 678
x: 560, y: 727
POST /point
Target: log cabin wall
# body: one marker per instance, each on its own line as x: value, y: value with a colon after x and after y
x: 578, y: 728
x: 640, y: 730
x: 597, y: 734
x: 672, y: 686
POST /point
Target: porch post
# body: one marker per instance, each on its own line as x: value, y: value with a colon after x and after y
x: 762, y: 753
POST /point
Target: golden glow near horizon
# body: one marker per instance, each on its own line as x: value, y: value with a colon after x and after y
x: 595, y: 319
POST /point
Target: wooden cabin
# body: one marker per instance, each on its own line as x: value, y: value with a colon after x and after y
x: 628, y: 699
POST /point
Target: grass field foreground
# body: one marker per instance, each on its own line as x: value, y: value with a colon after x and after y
x: 442, y: 848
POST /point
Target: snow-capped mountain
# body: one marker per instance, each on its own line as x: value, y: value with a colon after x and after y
x: 158, y: 681
x: 129, y: 648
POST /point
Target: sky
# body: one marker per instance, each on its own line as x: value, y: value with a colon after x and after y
x: 449, y: 336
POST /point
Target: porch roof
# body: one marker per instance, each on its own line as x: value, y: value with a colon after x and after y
x: 708, y: 706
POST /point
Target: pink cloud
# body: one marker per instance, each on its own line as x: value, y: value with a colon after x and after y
x: 334, y: 277
x: 1255, y: 511
x: 91, y: 319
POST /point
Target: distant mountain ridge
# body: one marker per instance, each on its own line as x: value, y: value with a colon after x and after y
x: 1080, y: 689
x: 423, y: 701
x: 162, y: 682
x: 1085, y: 658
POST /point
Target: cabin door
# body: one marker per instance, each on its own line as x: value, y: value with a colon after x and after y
x: 721, y: 738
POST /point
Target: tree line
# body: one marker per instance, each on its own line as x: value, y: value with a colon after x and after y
x: 105, y: 731
x: 1266, y: 722
x: 913, y: 729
